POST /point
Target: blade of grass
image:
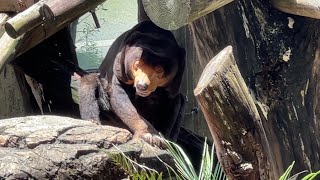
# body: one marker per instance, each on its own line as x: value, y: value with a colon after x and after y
x: 287, y: 173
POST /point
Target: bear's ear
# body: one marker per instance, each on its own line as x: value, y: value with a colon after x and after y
x: 174, y: 87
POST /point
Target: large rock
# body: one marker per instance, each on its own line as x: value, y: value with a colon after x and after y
x: 53, y: 147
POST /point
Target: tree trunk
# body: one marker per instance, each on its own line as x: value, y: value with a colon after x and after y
x: 228, y: 107
x: 278, y: 56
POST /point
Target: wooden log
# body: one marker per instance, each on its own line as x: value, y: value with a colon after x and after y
x: 308, y: 8
x: 64, y: 14
x: 173, y: 14
x: 232, y: 117
x: 15, y: 5
x: 27, y: 20
x: 3, y: 18
x: 8, y: 44
x: 8, y: 49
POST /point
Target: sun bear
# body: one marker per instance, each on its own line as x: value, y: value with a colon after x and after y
x: 140, y: 80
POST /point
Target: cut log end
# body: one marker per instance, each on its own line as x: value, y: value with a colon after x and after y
x: 214, y: 65
x: 173, y: 14
x: 307, y: 8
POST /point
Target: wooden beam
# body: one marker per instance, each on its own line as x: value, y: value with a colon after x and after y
x: 28, y: 19
x: 15, y: 5
x: 64, y: 14
x: 231, y: 114
x: 308, y: 8
x: 173, y: 14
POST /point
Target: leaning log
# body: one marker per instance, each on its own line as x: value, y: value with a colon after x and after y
x: 172, y: 15
x: 308, y: 8
x: 231, y: 115
x: 8, y: 44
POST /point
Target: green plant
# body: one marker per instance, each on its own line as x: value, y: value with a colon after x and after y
x: 185, y: 169
x: 287, y: 173
x: 135, y: 170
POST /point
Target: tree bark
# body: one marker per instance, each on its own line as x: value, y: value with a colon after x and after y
x: 278, y: 56
x: 172, y: 15
x: 230, y: 112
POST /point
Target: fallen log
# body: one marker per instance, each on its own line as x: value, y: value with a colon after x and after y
x: 174, y: 14
x: 308, y: 8
x: 233, y: 119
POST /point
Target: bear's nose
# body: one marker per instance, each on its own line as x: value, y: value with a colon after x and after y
x: 142, y: 86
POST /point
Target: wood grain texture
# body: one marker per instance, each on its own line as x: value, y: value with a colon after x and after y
x: 26, y: 20
x: 173, y: 14
x: 230, y: 112
x: 308, y: 8
x: 279, y: 63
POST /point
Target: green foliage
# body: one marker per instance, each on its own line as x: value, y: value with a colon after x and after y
x: 185, y: 169
x: 287, y: 173
x: 136, y: 171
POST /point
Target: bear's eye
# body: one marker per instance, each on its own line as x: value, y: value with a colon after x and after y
x: 159, y: 69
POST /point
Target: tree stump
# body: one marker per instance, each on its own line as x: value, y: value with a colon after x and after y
x: 231, y: 115
x: 278, y: 55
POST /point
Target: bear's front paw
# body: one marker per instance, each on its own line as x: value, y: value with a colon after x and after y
x: 153, y: 138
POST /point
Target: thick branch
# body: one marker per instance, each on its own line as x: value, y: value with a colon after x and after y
x: 233, y: 119
x: 172, y: 15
